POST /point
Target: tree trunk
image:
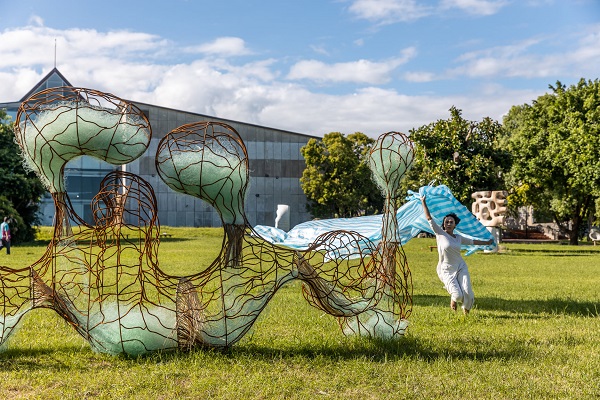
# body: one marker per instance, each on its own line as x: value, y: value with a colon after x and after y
x: 574, y: 232
x: 579, y: 216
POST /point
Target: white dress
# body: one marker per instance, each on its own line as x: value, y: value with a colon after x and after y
x: 452, y: 269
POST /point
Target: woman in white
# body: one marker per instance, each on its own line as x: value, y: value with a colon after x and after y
x: 452, y: 269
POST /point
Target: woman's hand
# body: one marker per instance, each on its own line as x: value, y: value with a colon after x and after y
x: 425, y: 209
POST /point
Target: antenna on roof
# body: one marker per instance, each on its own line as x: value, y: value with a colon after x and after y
x: 55, y: 53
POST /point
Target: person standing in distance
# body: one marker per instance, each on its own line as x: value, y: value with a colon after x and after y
x: 5, y: 230
x: 452, y: 269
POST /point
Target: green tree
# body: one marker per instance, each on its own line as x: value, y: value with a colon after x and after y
x: 463, y: 155
x: 555, y: 142
x: 337, y: 179
x: 21, y: 189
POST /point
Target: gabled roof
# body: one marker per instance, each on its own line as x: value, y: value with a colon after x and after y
x: 42, y: 84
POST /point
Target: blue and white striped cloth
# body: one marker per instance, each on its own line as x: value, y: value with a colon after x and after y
x: 441, y: 202
x: 410, y: 217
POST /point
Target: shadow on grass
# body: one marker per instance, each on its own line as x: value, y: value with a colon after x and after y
x: 520, y: 308
x: 59, y: 358
x: 570, y: 251
x: 52, y: 358
x: 35, y: 243
x: 551, y: 254
x: 383, y: 351
x: 361, y: 349
x: 86, y: 243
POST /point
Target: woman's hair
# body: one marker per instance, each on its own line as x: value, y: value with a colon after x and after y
x: 453, y: 216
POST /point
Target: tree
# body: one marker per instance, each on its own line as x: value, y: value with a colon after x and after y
x: 337, y: 179
x: 556, y: 147
x: 463, y: 155
x: 21, y: 189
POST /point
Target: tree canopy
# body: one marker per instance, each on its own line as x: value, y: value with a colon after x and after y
x: 337, y: 179
x: 463, y: 155
x: 555, y: 143
x: 21, y: 189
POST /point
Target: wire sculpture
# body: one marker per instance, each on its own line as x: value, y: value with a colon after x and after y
x: 57, y: 125
x: 105, y: 278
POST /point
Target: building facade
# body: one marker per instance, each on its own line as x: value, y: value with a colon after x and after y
x: 276, y: 166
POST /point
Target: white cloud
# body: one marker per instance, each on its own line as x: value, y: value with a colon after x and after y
x: 419, y: 76
x: 389, y: 11
x: 375, y: 111
x: 361, y: 71
x: 34, y: 46
x: 385, y: 12
x: 476, y: 7
x: 589, y: 50
x: 126, y: 64
x: 319, y: 50
x: 531, y: 59
x: 223, y: 46
x: 88, y: 58
x: 14, y: 84
x: 36, y: 20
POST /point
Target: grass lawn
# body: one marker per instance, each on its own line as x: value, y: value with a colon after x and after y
x: 534, y: 334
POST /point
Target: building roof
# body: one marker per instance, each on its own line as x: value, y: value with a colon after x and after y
x: 42, y: 84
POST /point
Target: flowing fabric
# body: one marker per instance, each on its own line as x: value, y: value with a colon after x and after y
x: 411, y: 222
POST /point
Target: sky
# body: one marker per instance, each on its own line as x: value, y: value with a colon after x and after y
x: 307, y: 66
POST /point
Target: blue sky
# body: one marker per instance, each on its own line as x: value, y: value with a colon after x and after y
x: 307, y: 66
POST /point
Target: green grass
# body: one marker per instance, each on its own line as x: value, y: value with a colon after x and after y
x: 533, y: 334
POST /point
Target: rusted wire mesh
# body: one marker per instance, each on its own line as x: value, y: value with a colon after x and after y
x: 57, y: 125
x: 105, y: 278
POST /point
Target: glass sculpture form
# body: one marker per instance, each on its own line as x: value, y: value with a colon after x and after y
x: 105, y: 278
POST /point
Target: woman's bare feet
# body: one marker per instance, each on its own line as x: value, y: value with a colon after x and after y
x: 453, y: 305
x: 465, y: 311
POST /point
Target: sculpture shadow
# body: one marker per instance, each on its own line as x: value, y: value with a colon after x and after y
x: 377, y: 351
x: 566, y: 252
x: 517, y: 308
x: 372, y: 349
x: 382, y: 351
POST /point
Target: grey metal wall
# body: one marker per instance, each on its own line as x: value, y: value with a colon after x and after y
x: 276, y: 166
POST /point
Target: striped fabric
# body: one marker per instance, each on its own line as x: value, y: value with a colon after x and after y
x: 441, y: 202
x: 411, y: 221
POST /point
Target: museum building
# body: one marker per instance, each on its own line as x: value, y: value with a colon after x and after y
x: 275, y: 163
